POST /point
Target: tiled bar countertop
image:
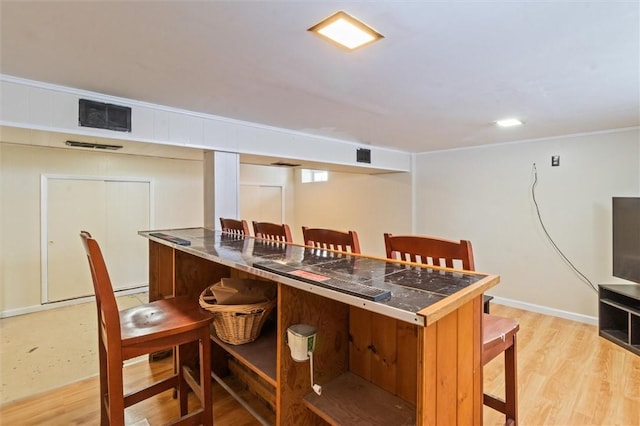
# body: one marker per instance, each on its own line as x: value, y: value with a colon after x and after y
x: 419, y: 294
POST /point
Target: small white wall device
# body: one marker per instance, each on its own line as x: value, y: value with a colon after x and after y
x: 301, y: 339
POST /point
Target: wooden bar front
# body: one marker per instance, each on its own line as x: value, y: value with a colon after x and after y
x: 374, y: 369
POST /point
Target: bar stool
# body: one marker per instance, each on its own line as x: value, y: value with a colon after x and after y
x: 272, y: 231
x: 122, y: 335
x: 444, y: 248
x: 331, y: 239
x: 499, y: 336
x: 498, y: 333
x: 233, y: 226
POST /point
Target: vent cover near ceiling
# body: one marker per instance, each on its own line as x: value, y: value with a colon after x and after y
x: 284, y: 164
x: 363, y: 155
x: 100, y: 115
x: 93, y: 145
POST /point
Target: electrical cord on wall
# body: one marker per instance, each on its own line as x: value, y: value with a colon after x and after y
x: 544, y: 228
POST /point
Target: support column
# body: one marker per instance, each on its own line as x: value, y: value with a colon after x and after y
x: 221, y: 187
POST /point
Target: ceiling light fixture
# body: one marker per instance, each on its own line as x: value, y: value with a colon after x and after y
x: 509, y: 122
x: 346, y: 31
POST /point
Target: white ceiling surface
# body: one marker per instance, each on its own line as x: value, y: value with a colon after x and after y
x: 442, y: 74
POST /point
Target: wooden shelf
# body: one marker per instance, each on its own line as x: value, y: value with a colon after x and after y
x: 259, y: 356
x: 351, y: 400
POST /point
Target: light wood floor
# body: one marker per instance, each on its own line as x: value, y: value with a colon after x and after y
x: 567, y: 375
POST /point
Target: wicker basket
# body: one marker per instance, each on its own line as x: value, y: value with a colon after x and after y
x: 236, y: 324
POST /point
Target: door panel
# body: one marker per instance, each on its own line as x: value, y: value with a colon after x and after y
x: 113, y: 212
x: 125, y: 250
x: 72, y: 206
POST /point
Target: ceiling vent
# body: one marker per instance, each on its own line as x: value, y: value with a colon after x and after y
x: 93, y: 145
x: 100, y: 115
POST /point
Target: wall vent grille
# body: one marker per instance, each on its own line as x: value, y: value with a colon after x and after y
x: 93, y: 145
x: 363, y: 155
x: 284, y: 164
x: 100, y: 115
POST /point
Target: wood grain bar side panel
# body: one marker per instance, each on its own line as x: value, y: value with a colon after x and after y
x: 194, y: 274
x: 446, y: 370
x: 331, y: 355
x: 407, y: 335
x: 427, y: 391
x: 359, y: 342
x: 161, y: 271
x: 384, y: 352
x: 449, y: 388
x: 478, y: 375
x: 465, y: 367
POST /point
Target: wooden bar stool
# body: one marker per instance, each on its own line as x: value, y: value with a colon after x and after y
x: 233, y: 226
x: 272, y: 231
x: 498, y: 334
x: 444, y: 248
x: 331, y: 239
x: 122, y: 335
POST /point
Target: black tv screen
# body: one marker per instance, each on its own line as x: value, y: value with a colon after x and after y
x: 626, y: 238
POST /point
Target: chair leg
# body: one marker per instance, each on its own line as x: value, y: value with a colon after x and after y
x: 115, y: 391
x: 183, y: 387
x: 511, y: 383
x: 486, y: 303
x: 104, y: 386
x: 205, y: 378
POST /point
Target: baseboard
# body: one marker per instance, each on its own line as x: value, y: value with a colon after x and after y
x: 546, y: 310
x: 54, y: 305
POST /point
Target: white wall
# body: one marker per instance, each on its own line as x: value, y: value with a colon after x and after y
x: 252, y: 174
x: 368, y: 204
x: 178, y: 189
x: 484, y: 195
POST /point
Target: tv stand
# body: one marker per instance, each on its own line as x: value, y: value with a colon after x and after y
x: 619, y: 315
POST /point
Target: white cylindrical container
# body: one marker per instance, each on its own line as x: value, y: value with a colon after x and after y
x: 301, y: 339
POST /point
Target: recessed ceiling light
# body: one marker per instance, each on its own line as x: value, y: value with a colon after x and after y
x: 346, y: 31
x: 509, y: 122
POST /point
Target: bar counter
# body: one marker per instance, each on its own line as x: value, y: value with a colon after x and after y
x: 416, y: 350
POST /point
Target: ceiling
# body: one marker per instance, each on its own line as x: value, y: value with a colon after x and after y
x: 444, y: 72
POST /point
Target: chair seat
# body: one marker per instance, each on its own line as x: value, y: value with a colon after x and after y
x: 497, y: 335
x: 166, y: 317
x: 160, y: 325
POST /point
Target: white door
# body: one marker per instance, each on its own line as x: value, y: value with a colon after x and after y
x: 261, y: 203
x: 113, y: 212
x: 72, y: 206
x: 125, y: 251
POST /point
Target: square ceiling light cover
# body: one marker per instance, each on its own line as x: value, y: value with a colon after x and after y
x: 346, y: 31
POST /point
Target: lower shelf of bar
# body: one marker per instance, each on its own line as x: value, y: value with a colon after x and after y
x: 259, y: 355
x: 349, y: 399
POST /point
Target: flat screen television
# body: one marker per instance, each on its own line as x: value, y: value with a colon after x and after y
x: 626, y: 238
